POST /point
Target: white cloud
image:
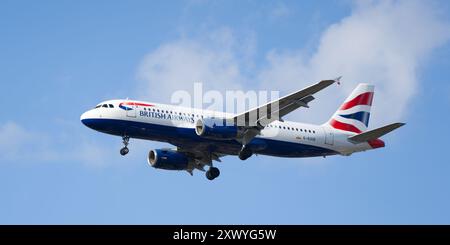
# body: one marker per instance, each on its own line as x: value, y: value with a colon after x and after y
x: 380, y: 42
x: 12, y: 138
x: 216, y: 61
x: 95, y: 153
x: 20, y: 144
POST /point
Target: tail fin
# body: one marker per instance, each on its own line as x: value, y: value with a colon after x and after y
x: 353, y: 115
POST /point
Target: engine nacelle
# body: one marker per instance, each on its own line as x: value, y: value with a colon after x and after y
x: 167, y: 159
x: 216, y: 128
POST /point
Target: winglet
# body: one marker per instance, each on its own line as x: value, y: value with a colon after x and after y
x: 338, y: 80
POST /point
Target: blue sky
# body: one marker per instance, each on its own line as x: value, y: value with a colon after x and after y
x: 60, y: 58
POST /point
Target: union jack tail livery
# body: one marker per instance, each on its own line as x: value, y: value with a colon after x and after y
x: 353, y: 115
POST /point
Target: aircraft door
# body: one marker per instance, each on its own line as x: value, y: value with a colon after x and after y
x: 329, y: 136
x: 132, y: 111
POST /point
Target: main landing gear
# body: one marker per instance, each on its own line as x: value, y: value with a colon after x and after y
x: 125, y: 150
x: 212, y: 173
x: 245, y: 153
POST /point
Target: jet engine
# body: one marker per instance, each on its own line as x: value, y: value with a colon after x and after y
x: 167, y: 159
x: 216, y: 128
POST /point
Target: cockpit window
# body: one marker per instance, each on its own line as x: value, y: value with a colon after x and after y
x: 105, y: 106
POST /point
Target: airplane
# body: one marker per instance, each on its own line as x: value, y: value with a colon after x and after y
x: 204, y: 136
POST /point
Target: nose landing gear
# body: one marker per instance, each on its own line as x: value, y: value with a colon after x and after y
x: 125, y: 141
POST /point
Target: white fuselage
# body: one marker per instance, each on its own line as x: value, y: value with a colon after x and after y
x: 176, y: 125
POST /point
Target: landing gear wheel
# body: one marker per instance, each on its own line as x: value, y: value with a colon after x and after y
x: 208, y: 175
x: 215, y: 172
x: 124, y: 151
x: 212, y: 173
x: 245, y: 153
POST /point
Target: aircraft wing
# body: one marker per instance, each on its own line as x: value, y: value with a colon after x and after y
x: 201, y: 154
x: 256, y: 119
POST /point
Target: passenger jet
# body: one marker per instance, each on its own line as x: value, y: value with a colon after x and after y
x: 203, y: 136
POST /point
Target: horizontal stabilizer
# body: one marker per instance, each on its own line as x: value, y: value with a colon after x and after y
x: 374, y: 134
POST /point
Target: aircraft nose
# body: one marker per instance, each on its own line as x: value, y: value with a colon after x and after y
x: 83, y: 118
x: 86, y: 119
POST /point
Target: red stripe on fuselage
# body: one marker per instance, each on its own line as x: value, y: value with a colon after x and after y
x: 362, y: 99
x: 135, y: 103
x: 344, y: 126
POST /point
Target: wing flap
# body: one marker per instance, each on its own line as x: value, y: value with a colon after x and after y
x: 265, y: 120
